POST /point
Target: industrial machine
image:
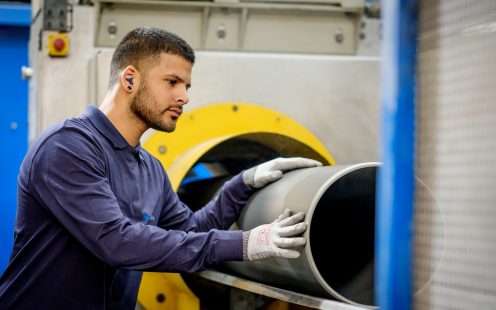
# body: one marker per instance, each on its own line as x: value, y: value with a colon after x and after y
x: 272, y: 78
x: 308, y: 72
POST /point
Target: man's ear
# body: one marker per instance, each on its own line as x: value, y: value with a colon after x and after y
x: 130, y: 79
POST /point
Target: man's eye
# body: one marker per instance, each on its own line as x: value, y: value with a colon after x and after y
x: 172, y: 82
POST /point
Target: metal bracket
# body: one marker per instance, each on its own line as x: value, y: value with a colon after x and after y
x: 57, y: 15
x: 274, y: 292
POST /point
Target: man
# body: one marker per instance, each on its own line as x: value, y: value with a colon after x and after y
x: 95, y: 209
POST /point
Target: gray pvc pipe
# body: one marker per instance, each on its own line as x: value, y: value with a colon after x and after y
x: 338, y: 259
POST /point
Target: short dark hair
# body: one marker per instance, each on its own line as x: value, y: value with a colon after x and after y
x: 141, y: 46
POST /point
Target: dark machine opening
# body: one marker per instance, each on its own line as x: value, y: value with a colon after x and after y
x: 345, y: 215
x: 231, y: 157
x: 219, y: 165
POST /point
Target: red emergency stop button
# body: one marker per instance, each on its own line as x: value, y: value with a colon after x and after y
x: 58, y: 44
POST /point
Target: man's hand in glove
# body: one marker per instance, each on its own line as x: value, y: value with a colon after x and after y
x: 271, y: 171
x: 277, y: 239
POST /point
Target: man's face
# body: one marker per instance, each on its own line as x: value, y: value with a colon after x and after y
x: 163, y: 92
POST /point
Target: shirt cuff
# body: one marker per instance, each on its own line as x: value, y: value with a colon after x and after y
x: 230, y: 245
x: 245, y: 190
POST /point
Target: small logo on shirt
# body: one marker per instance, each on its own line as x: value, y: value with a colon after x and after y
x: 148, y: 218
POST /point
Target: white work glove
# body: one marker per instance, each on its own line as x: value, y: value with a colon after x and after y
x: 271, y: 171
x: 275, y: 239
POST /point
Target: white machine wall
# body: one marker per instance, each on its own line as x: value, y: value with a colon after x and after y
x: 336, y: 97
x: 58, y: 88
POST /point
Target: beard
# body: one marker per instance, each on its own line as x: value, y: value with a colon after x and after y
x: 146, y: 109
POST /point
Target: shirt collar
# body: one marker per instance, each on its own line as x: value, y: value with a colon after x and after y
x: 106, y: 128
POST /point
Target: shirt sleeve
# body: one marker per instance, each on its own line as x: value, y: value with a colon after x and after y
x: 219, y: 213
x: 69, y: 178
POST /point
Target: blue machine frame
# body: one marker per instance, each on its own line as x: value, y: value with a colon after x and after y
x: 15, y: 20
x: 395, y: 199
x: 15, y: 14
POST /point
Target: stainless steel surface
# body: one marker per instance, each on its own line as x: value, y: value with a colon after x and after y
x: 338, y: 259
x: 274, y: 292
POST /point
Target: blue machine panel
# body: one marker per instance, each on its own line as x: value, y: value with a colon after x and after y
x: 14, y: 36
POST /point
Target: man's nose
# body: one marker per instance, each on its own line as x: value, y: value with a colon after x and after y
x: 183, y: 97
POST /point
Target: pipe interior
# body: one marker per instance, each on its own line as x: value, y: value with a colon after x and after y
x: 345, y: 215
x: 233, y: 156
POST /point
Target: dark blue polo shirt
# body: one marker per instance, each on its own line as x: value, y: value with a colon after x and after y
x: 93, y: 212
